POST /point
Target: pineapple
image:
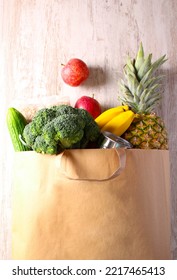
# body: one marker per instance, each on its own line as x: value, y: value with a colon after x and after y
x: 141, y: 92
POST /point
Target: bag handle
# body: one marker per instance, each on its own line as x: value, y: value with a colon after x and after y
x: 122, y: 162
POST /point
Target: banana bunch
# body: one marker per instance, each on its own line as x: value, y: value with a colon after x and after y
x: 115, y: 120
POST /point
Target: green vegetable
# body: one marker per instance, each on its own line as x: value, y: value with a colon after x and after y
x: 60, y: 127
x: 16, y: 123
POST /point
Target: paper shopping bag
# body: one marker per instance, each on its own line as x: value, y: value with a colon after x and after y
x: 91, y: 204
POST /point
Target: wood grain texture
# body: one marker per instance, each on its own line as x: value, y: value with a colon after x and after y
x: 36, y: 36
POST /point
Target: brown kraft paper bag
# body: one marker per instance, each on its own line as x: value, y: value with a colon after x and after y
x: 91, y: 204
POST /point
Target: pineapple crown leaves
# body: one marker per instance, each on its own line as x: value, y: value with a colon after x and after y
x: 141, y: 91
x: 140, y: 57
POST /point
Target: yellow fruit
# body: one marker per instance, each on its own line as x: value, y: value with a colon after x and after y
x: 109, y: 114
x: 119, y: 124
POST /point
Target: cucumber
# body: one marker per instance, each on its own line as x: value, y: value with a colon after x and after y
x: 16, y: 123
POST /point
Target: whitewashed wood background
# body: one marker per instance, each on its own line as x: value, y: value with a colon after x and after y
x: 36, y: 36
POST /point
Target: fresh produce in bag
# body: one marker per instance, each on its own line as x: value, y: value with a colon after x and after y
x: 54, y: 129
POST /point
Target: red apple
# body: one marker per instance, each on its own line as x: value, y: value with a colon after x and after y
x: 74, y: 72
x: 90, y: 104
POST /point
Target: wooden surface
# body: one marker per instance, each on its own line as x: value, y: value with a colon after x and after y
x: 36, y: 36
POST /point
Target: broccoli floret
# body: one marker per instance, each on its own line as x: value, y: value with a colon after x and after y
x: 86, y: 116
x: 60, y: 127
x: 34, y: 128
x: 30, y: 134
x: 42, y: 117
x: 49, y: 132
x: 68, y: 129
x: 63, y: 109
x: 40, y: 146
x: 91, y: 130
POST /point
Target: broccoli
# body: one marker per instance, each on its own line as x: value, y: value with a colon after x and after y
x: 60, y: 127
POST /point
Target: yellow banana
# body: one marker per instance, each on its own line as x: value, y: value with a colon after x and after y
x: 119, y: 124
x: 109, y: 114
